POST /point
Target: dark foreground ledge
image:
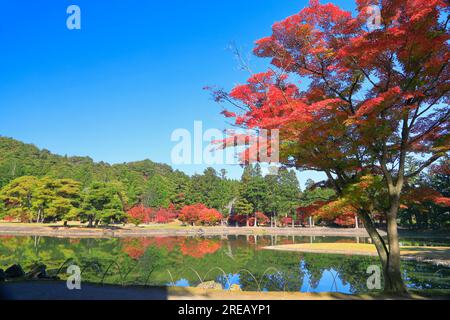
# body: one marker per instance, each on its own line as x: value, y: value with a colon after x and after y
x: 57, y: 290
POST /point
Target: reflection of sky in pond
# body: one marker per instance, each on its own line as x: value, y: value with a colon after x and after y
x: 329, y: 282
x: 180, y: 283
x: 232, y: 279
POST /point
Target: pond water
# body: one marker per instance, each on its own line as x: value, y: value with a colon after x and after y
x: 229, y: 260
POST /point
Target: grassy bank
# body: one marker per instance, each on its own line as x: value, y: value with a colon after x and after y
x: 437, y: 254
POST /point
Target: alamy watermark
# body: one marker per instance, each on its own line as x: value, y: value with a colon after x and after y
x: 73, y: 21
x: 74, y: 280
x: 374, y: 280
x: 374, y: 19
x: 230, y: 147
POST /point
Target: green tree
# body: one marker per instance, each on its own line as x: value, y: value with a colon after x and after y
x: 17, y: 197
x: 289, y: 192
x: 254, y: 188
x: 243, y: 207
x: 159, y: 192
x: 102, y: 203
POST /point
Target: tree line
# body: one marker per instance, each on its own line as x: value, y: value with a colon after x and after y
x: 37, y: 186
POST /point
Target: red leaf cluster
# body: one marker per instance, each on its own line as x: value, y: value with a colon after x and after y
x: 199, y: 214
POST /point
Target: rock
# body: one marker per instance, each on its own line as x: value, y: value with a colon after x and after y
x: 2, y: 275
x: 210, y: 285
x: 15, y: 271
x: 235, y: 287
x: 38, y: 271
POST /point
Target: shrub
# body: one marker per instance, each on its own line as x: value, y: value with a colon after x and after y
x: 239, y: 219
x: 191, y: 214
x: 261, y: 218
x: 286, y: 221
x: 138, y: 215
x: 199, y: 214
x: 164, y: 215
x: 210, y: 217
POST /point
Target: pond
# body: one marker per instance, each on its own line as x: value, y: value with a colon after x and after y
x: 229, y: 260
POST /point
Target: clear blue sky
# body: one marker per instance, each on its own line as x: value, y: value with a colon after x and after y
x: 116, y: 89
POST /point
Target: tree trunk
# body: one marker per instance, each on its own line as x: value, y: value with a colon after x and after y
x: 90, y: 223
x: 393, y: 282
x: 389, y: 257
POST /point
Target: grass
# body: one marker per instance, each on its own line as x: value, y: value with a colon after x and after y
x: 437, y: 253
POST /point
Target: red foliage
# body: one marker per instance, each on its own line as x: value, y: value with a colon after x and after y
x: 164, y: 215
x: 346, y: 219
x: 138, y: 214
x: 135, y: 247
x: 191, y: 214
x: 210, y: 217
x: 199, y: 248
x: 239, y: 219
x: 365, y: 86
x: 9, y: 219
x: 199, y: 214
x: 286, y: 221
x: 303, y: 213
x: 262, y: 219
x: 421, y: 195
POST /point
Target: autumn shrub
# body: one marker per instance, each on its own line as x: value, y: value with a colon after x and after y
x: 191, y: 214
x: 210, y: 217
x: 261, y: 218
x: 346, y: 219
x: 137, y: 215
x: 199, y: 214
x: 164, y: 215
x: 238, y: 219
x: 286, y: 221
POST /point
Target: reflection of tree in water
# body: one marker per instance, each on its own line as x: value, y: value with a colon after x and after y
x: 350, y: 269
x: 274, y: 271
x: 425, y: 276
x: 161, y: 260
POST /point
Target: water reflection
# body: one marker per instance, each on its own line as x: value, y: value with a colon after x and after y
x: 229, y: 260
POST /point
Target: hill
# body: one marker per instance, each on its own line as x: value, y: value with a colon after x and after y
x: 151, y: 183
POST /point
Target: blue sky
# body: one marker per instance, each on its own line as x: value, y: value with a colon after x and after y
x: 116, y: 89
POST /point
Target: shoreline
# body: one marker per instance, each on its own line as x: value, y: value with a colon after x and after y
x: 436, y: 255
x: 128, y: 231
x: 11, y: 229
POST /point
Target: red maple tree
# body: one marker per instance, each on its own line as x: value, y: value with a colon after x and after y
x: 373, y: 99
x: 198, y: 213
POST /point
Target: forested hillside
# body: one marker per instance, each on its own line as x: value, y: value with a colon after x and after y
x: 152, y: 184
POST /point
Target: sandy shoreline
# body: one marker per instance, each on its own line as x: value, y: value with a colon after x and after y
x: 436, y: 255
x: 70, y: 232
x: 12, y: 229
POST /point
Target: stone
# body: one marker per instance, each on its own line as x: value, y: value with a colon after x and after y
x: 38, y: 271
x: 210, y: 285
x: 235, y: 287
x: 15, y: 271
